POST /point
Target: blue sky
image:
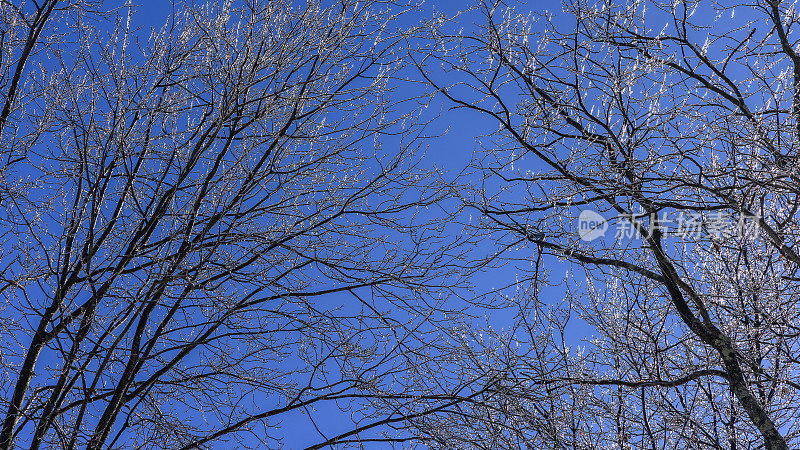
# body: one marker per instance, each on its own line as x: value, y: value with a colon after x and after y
x: 451, y: 152
x: 455, y: 138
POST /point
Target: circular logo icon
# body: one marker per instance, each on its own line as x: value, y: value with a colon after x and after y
x: 591, y: 225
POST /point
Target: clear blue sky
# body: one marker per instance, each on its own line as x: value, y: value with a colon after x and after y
x: 450, y: 152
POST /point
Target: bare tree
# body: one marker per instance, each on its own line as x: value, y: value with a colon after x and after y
x: 658, y: 115
x: 212, y: 227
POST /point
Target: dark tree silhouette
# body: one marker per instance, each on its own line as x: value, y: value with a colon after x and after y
x: 654, y: 113
x: 210, y: 228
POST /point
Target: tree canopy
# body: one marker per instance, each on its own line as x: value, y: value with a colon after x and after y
x: 235, y: 221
